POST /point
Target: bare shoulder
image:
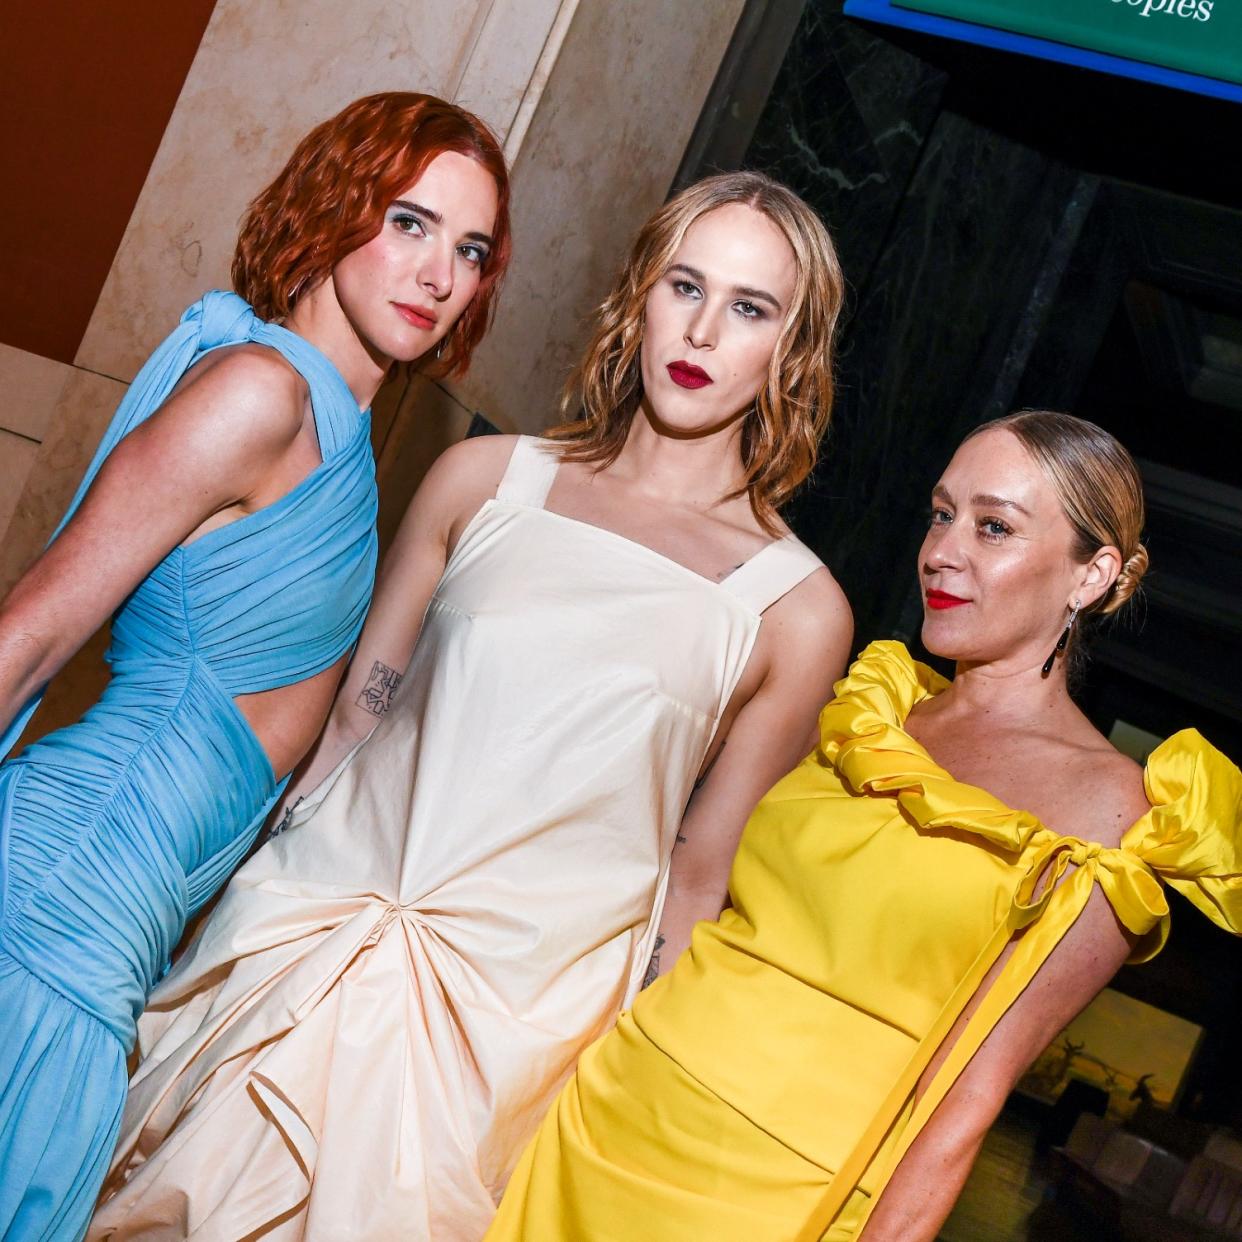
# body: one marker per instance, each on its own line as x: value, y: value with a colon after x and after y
x: 810, y: 630
x: 477, y: 463
x: 1105, y: 789
x: 458, y: 484
x: 246, y: 390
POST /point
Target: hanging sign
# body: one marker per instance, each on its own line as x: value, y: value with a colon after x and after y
x: 1192, y: 44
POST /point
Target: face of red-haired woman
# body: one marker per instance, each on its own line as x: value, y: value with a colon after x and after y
x: 404, y: 290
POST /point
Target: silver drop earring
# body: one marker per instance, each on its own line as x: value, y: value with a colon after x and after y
x: 1063, y: 641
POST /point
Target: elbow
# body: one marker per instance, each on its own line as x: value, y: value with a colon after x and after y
x: 28, y: 660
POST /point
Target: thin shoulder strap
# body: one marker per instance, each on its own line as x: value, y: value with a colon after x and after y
x: 528, y: 477
x: 772, y: 573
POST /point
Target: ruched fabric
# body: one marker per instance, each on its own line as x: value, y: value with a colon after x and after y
x: 115, y: 829
x: 763, y: 1091
x: 389, y: 994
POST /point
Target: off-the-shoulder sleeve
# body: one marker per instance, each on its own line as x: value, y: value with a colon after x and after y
x: 1189, y: 839
x: 1192, y: 837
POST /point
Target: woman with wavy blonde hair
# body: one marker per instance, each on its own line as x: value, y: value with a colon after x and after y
x: 227, y: 527
x: 391, y: 991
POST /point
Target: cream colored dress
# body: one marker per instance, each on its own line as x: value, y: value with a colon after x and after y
x: 389, y: 995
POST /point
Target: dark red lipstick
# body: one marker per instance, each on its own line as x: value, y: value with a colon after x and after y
x: 419, y: 316
x: 687, y: 375
x: 940, y: 600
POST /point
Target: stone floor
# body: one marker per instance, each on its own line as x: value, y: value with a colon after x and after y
x: 1008, y: 1199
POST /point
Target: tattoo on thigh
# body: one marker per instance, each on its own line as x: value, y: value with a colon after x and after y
x: 653, y: 966
x: 376, y: 696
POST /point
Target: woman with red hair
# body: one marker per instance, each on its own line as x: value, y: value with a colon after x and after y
x: 227, y: 527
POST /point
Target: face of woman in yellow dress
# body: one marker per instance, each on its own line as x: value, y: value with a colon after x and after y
x: 713, y: 319
x: 997, y: 567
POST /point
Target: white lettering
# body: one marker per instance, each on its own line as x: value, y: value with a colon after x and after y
x: 1196, y: 10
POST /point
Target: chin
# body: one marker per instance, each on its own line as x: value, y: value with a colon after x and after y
x: 945, y: 639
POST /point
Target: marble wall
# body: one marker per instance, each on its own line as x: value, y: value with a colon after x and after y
x: 950, y: 234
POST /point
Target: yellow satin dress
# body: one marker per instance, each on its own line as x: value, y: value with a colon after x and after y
x: 764, y: 1089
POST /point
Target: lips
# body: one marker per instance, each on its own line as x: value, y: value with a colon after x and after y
x: 940, y: 600
x: 687, y: 375
x: 417, y: 315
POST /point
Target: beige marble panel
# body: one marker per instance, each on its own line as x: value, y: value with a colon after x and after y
x: 17, y: 458
x: 87, y: 402
x: 31, y: 385
x: 503, y: 76
x: 264, y: 74
x: 602, y: 148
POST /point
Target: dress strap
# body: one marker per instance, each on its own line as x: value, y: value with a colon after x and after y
x: 528, y: 477
x: 772, y: 573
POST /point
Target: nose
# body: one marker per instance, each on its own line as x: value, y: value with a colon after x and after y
x: 435, y: 272
x: 943, y: 548
x: 702, y: 330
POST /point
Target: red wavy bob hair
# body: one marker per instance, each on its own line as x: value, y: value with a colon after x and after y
x: 330, y: 198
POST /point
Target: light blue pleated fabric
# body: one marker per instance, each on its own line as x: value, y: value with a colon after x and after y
x: 115, y: 829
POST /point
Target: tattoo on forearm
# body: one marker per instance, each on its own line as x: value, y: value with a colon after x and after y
x: 376, y: 696
x: 282, y: 824
x: 653, y: 966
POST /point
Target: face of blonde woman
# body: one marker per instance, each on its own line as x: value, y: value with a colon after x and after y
x: 997, y: 567
x: 405, y: 289
x: 713, y: 319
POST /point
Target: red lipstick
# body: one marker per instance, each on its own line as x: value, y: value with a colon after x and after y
x: 687, y: 375
x: 940, y: 600
x: 419, y: 316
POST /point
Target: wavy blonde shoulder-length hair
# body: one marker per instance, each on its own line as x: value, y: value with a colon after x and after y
x: 781, y: 434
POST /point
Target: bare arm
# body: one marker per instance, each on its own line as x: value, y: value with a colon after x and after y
x: 931, y: 1175
x: 808, y: 636
x: 457, y: 484
x: 211, y: 446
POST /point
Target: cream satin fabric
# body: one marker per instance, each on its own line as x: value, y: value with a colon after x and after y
x: 389, y: 995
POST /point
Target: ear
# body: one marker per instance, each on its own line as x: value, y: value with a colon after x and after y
x: 1098, y: 574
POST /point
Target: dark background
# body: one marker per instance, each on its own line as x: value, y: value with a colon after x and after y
x: 1018, y: 233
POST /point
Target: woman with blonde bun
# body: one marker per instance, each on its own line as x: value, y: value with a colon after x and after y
x: 902, y: 940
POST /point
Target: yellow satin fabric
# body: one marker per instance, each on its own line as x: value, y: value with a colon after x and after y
x: 763, y: 1090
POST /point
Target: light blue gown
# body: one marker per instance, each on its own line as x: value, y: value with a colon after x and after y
x: 115, y: 829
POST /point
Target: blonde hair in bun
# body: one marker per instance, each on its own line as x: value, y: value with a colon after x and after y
x: 1099, y: 487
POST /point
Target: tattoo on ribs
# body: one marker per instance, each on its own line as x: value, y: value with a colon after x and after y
x: 653, y: 967
x: 376, y: 696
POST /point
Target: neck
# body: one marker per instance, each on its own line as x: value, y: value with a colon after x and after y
x: 694, y: 472
x: 319, y: 319
x: 1008, y: 691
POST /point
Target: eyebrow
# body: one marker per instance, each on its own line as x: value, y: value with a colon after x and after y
x: 435, y: 217
x: 741, y: 291
x: 981, y: 500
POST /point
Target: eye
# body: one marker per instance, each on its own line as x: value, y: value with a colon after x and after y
x: 748, y: 310
x: 993, y: 529
x: 686, y: 289
x: 473, y: 253
x: 408, y: 222
x: 939, y: 516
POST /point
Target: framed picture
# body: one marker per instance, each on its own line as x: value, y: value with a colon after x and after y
x: 1137, y: 1053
